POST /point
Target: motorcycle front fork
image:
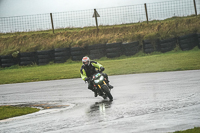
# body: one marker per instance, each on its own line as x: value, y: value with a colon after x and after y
x: 99, y: 85
x: 99, y: 91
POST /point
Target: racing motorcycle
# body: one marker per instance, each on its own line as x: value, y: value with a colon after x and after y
x: 100, y: 86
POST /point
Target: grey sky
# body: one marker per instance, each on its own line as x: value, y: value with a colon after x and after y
x: 28, y: 7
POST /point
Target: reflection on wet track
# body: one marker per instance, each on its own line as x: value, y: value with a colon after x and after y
x: 100, y: 106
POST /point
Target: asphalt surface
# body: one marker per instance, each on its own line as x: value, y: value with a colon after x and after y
x: 146, y: 103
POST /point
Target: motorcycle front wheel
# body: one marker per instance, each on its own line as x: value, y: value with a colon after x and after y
x: 107, y: 91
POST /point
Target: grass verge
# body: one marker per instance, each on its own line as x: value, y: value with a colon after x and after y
x: 194, y: 130
x: 12, y: 111
x: 140, y: 63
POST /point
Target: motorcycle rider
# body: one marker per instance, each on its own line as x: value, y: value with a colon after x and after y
x: 88, y: 69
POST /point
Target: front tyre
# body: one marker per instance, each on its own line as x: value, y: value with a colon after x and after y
x: 107, y: 91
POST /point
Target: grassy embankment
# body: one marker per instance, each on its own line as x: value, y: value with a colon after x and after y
x: 12, y: 111
x: 43, y: 40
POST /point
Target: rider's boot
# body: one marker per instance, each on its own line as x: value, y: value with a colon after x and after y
x: 95, y: 92
x: 109, y: 86
x: 107, y: 81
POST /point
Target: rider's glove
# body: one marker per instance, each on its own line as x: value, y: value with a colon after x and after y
x: 87, y: 79
x: 102, y: 69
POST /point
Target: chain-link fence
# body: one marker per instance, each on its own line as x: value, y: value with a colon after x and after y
x: 108, y: 16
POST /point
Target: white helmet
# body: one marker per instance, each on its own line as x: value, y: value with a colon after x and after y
x: 86, y: 61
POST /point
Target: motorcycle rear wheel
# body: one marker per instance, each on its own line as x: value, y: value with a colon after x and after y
x: 107, y: 91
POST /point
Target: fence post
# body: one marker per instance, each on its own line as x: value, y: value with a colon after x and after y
x: 95, y: 15
x: 52, y: 22
x: 195, y: 8
x: 145, y: 6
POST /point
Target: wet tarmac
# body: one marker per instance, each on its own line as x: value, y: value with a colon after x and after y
x: 146, y: 103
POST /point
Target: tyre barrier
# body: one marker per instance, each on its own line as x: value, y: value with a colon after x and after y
x: 27, y: 58
x: 8, y: 60
x: 0, y: 60
x: 61, y: 55
x: 77, y: 53
x: 198, y: 40
x: 150, y: 46
x: 97, y: 51
x: 44, y: 57
x: 131, y: 48
x: 113, y: 50
x: 167, y: 45
x: 188, y: 42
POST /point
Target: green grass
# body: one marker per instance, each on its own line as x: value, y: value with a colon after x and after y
x: 140, y: 63
x: 12, y: 111
x: 194, y: 130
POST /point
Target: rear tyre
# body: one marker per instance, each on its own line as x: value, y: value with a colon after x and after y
x: 107, y: 91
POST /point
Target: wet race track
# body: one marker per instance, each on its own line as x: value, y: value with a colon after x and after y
x: 146, y: 103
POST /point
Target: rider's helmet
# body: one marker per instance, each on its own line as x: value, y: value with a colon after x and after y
x: 86, y: 61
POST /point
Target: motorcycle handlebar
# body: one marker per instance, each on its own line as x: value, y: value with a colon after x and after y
x: 99, y: 71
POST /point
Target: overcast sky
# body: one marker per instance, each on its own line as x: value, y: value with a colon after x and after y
x: 29, y: 7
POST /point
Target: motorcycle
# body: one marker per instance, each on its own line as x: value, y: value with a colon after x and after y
x: 100, y: 86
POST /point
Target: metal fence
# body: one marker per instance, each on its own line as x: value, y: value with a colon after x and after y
x: 108, y: 16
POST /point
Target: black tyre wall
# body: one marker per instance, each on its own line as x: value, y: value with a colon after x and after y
x: 130, y: 48
x: 78, y: 53
x: 148, y: 46
x: 27, y: 58
x: 8, y: 60
x: 151, y: 46
x: 187, y: 36
x: 61, y: 55
x: 113, y: 50
x: 198, y: 40
x: 188, y: 42
x: 44, y: 57
x: 97, y: 51
x: 168, y: 44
